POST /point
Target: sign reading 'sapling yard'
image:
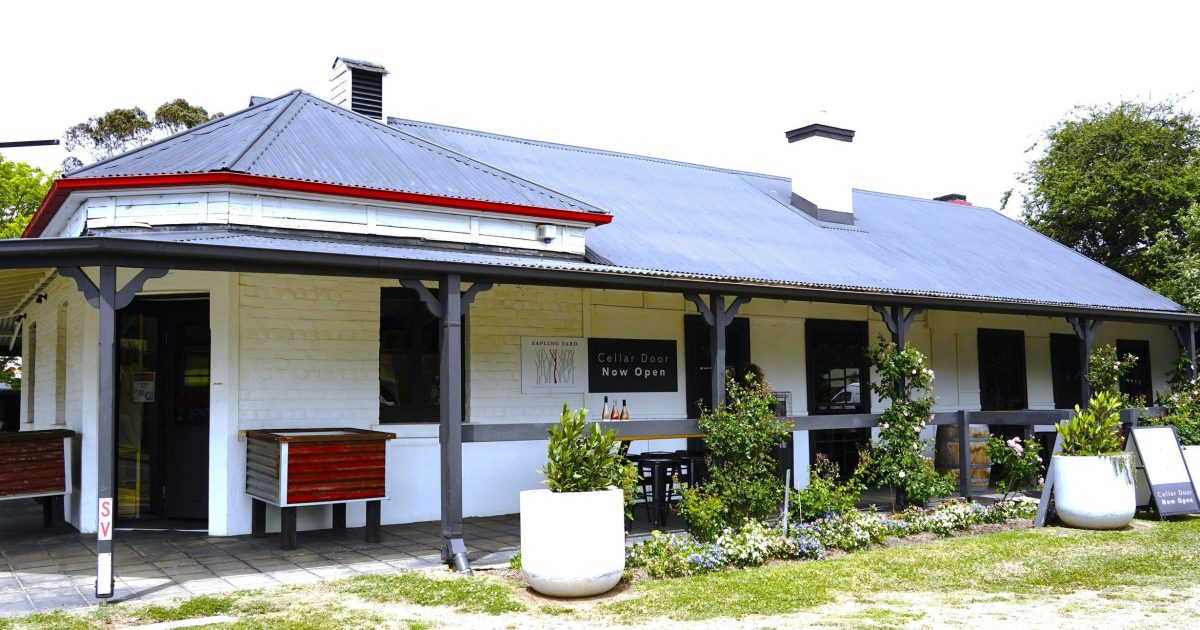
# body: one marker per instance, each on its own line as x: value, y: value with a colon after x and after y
x: 553, y: 365
x: 632, y: 365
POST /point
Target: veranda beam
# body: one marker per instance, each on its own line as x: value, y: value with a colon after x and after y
x: 1085, y: 329
x: 108, y: 300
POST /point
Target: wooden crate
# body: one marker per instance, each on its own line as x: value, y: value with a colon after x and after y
x: 290, y: 467
x: 35, y: 463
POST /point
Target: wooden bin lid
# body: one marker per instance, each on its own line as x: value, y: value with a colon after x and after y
x: 337, y: 434
x: 33, y: 436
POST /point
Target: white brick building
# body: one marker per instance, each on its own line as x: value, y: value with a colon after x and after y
x: 288, y: 238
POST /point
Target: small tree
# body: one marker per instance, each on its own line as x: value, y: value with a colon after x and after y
x: 740, y: 435
x: 896, y: 458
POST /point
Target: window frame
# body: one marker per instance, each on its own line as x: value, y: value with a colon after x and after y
x: 857, y: 329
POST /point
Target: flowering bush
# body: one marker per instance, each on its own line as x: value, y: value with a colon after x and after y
x: 1105, y: 370
x: 1022, y: 461
x: 848, y: 532
x: 751, y: 545
x: 754, y: 543
x: 671, y: 555
x: 1183, y: 411
x: 896, y: 458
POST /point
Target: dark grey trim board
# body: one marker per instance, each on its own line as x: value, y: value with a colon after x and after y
x: 127, y: 252
x: 532, y: 431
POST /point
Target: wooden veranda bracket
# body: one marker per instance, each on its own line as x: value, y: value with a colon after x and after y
x: 1085, y: 329
x: 898, y: 320
x: 124, y: 295
x: 431, y: 301
x: 707, y: 314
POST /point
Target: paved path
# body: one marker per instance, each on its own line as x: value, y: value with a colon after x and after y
x: 44, y: 570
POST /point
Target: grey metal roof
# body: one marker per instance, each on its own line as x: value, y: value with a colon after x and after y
x: 301, y: 137
x: 683, y: 218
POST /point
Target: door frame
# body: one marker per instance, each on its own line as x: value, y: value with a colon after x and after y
x: 166, y: 308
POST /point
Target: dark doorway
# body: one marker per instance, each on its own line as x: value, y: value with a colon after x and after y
x: 1066, y: 371
x: 698, y: 347
x: 838, y: 370
x: 163, y: 409
x: 1136, y: 383
x: 1002, y: 385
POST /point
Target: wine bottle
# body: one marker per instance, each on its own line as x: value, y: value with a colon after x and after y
x: 616, y: 413
x: 624, y: 411
x: 604, y: 410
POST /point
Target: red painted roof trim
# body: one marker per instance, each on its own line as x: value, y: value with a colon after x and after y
x: 64, y: 187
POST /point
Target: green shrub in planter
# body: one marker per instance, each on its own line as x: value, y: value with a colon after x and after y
x: 583, y: 460
x: 1094, y: 431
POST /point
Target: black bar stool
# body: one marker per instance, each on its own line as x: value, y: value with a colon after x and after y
x: 656, y: 469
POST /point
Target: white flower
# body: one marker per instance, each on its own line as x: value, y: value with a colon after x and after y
x: 917, y: 429
x: 901, y: 474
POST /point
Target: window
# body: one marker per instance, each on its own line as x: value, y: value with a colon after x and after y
x: 409, y: 359
x: 29, y: 374
x: 837, y: 367
x: 1065, y: 371
x: 60, y: 366
x: 838, y: 374
x: 1002, y: 370
x: 1137, y: 382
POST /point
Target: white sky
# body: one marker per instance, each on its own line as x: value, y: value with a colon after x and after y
x: 945, y: 96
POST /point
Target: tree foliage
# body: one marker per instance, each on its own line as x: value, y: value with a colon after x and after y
x: 122, y: 129
x: 1113, y: 181
x: 21, y: 190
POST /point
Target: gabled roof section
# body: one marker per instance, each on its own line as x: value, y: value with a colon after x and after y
x: 681, y: 218
x: 300, y: 137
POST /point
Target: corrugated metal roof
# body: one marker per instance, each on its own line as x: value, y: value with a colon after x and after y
x: 286, y: 242
x: 683, y: 218
x: 299, y: 136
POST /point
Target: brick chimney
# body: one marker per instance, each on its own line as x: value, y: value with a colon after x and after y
x: 954, y: 198
x: 822, y: 170
x: 358, y: 86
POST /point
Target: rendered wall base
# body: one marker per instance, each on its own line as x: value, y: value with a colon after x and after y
x: 1094, y: 492
x: 572, y: 543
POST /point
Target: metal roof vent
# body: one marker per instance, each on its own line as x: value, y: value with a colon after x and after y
x: 821, y: 172
x: 358, y: 86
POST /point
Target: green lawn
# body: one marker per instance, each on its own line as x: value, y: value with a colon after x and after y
x: 1027, y: 565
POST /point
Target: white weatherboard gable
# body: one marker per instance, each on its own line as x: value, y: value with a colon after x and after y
x: 239, y: 205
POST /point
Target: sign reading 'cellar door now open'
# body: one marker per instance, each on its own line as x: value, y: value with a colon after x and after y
x: 632, y: 365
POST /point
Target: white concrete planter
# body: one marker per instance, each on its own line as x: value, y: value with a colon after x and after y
x: 1094, y: 492
x: 572, y: 543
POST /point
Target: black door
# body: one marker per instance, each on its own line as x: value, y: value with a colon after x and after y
x: 1002, y: 384
x: 163, y: 409
x: 837, y: 368
x: 698, y: 348
x: 1136, y: 383
x: 1066, y: 371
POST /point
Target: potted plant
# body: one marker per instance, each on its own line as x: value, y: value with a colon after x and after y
x: 573, y: 531
x: 1093, y: 476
